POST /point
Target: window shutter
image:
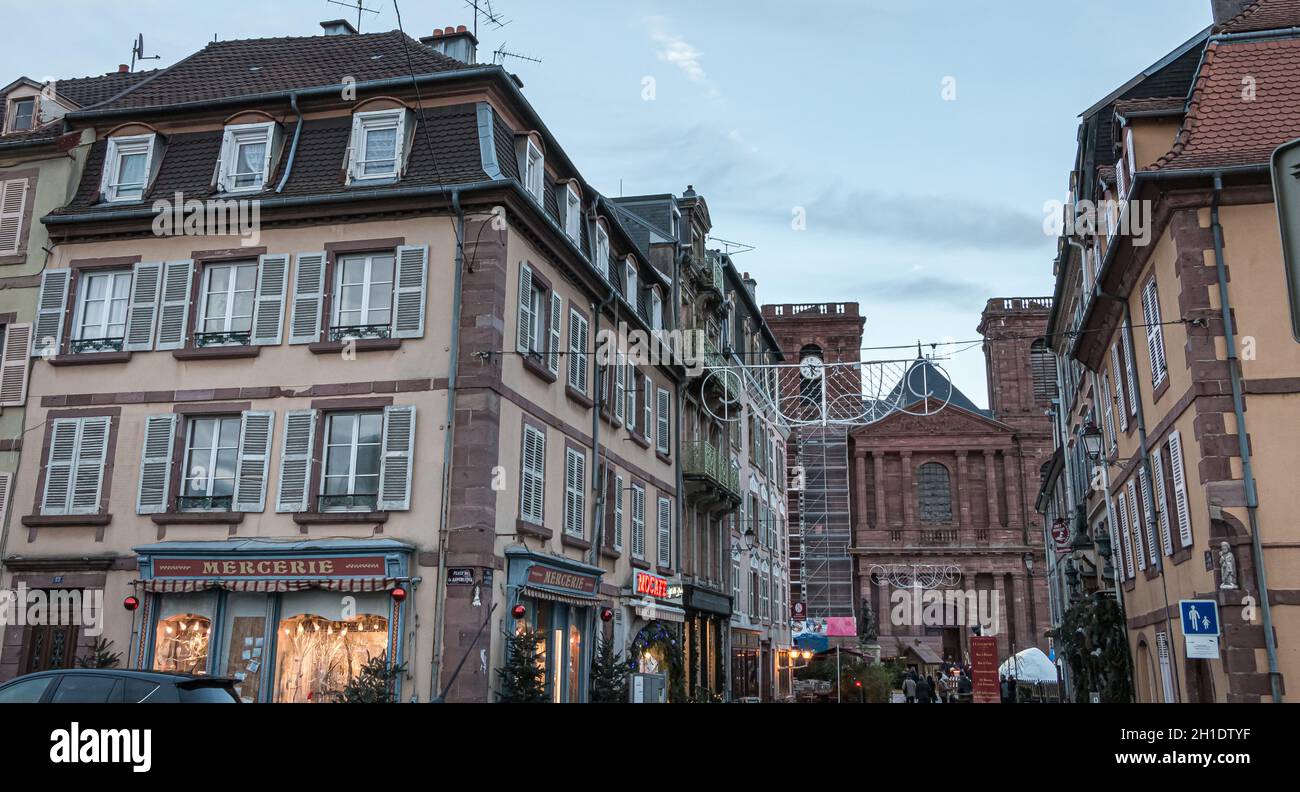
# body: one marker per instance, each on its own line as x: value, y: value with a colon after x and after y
x: 620, y: 387
x: 1180, y: 489
x: 408, y: 297
x: 577, y: 351
x: 58, y: 466
x: 632, y: 387
x: 15, y: 364
x: 268, y: 308
x: 308, y: 294
x: 88, y: 468
x: 1126, y: 543
x: 1162, y: 501
x: 1107, y: 412
x: 664, y: 425
x: 354, y: 150
x: 553, y: 349
x: 48, y: 333
x: 156, y: 463
x: 1130, y: 369
x: 575, y: 464
x: 13, y: 202
x: 1150, y: 520
x: 295, y: 460
x: 6, y: 483
x: 533, y: 478
x: 174, y: 313
x: 143, y: 310
x: 526, y: 321
x: 648, y: 415
x: 664, y: 538
x: 395, y: 467
x: 1119, y: 388
x: 618, y: 512
x: 638, y: 523
x: 1135, y: 523
x: 254, y: 459
x: 1155, y: 333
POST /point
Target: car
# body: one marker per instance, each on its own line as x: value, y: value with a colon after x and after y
x: 117, y: 686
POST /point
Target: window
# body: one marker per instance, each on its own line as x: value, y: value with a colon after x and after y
x: 664, y: 536
x: 735, y: 575
x: 27, y: 691
x: 577, y: 351
x: 363, y: 305
x: 753, y: 594
x: 662, y: 431
x: 638, y: 522
x: 765, y: 594
x: 378, y: 140
x: 534, y: 171
x: 23, y: 114
x: 933, y: 493
x: 100, y: 323
x: 602, y: 250
x: 573, y: 218
x: 227, y: 306
x: 575, y: 492
x: 630, y: 271
x: 127, y: 167
x: 246, y: 157
x: 656, y: 311
x: 211, y: 454
x: 533, y: 479
x: 352, y: 452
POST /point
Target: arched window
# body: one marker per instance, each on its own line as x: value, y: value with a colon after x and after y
x: 1042, y: 364
x: 934, y: 494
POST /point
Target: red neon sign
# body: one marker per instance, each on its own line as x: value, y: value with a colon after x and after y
x: 651, y: 585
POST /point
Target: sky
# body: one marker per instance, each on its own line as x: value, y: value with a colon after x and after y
x: 896, y: 153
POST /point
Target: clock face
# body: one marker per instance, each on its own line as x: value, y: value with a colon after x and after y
x: 810, y: 367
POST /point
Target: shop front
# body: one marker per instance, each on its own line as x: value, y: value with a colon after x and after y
x: 706, y: 634
x: 560, y: 598
x: 291, y: 622
x: 656, y: 636
x: 746, y: 666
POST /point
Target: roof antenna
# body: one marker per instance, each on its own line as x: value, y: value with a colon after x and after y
x: 502, y: 53
x: 483, y: 8
x: 359, y: 8
x: 137, y: 52
x: 732, y: 248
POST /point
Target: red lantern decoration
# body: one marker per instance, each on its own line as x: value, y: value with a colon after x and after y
x: 606, y: 614
x: 130, y: 603
x: 398, y: 594
x: 518, y: 611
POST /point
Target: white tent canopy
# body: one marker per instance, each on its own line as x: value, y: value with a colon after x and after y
x: 1031, y: 665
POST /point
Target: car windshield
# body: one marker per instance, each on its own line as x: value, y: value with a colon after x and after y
x: 207, y: 694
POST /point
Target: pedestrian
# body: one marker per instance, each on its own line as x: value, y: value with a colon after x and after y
x: 964, y: 687
x: 909, y: 689
x: 924, y: 691
x: 1004, y: 690
x: 945, y: 689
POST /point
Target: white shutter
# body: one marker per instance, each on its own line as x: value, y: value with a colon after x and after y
x: 142, y: 312
x: 664, y: 538
x: 1150, y: 521
x: 638, y: 523
x: 553, y: 350
x: 1119, y: 388
x: 526, y: 320
x: 1155, y: 333
x: 58, y: 466
x: 395, y: 464
x: 308, y: 294
x: 1108, y: 413
x: 649, y: 408
x: 6, y: 483
x: 13, y: 202
x: 1126, y: 541
x: 1166, y: 670
x: 15, y: 364
x: 408, y: 295
x: 268, y: 308
x: 618, y: 512
x: 575, y: 494
x: 620, y: 386
x: 1130, y: 367
x: 175, y: 309
x: 156, y: 463
x: 577, y: 351
x: 1135, y: 521
x: 631, y: 397
x: 254, y: 459
x: 354, y: 149
x: 295, y: 460
x: 48, y: 333
x: 661, y: 437
x: 533, y: 476
x: 1180, y: 489
x: 88, y: 467
x: 1162, y: 501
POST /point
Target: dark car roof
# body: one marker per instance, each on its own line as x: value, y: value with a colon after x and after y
x: 154, y: 676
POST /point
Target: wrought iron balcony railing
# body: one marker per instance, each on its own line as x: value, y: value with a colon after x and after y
x: 359, y: 502
x: 80, y: 345
x: 204, y: 502
x: 701, y: 459
x: 359, y: 332
x: 230, y: 338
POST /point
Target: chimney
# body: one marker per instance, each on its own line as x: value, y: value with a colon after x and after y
x: 454, y: 42
x: 122, y: 68
x: 751, y: 286
x: 338, y: 27
x: 1225, y: 10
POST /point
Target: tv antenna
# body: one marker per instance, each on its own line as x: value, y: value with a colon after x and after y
x: 137, y: 52
x: 502, y: 53
x: 483, y: 9
x: 732, y: 248
x: 358, y: 7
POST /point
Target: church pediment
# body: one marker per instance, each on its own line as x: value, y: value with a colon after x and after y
x: 943, y: 420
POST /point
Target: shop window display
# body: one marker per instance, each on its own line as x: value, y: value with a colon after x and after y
x: 322, y: 642
x: 181, y: 644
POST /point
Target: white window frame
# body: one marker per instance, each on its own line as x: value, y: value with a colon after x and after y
x: 354, y: 444
x: 374, y: 121
x: 234, y: 266
x: 534, y: 171
x: 337, y: 303
x: 239, y: 135
x: 12, y: 115
x: 119, y: 148
x: 213, y: 453
x: 656, y: 311
x: 83, y: 294
x: 573, y: 214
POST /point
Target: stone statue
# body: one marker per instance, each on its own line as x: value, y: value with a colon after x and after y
x: 867, y: 624
x: 1227, y: 567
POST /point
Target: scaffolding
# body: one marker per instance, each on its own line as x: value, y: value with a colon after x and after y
x: 825, y: 571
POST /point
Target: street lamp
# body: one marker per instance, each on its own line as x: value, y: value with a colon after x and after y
x: 1092, y: 441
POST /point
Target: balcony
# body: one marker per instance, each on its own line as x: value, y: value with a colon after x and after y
x: 707, y: 277
x: 711, y: 481
x: 723, y: 381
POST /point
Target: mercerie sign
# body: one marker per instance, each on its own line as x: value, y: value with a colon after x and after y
x: 368, y: 566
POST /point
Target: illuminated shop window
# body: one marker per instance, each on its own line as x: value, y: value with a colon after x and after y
x: 319, y: 648
x: 181, y: 644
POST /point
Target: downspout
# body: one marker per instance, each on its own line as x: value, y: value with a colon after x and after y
x: 439, y: 588
x: 1243, y: 443
x: 293, y: 147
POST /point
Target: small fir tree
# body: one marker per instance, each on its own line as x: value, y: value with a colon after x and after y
x: 100, y: 656
x: 522, y: 680
x: 608, y: 676
x: 375, y: 683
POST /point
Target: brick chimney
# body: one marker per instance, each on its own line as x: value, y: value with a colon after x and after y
x: 1227, y: 9
x: 454, y: 42
x: 338, y: 27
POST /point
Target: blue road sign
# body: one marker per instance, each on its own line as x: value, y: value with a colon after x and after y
x: 1200, y: 617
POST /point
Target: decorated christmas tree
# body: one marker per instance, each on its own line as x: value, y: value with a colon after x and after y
x: 522, y: 681
x: 608, y: 676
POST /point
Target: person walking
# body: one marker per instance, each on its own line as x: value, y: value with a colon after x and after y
x: 909, y: 689
x: 964, y: 687
x: 924, y: 691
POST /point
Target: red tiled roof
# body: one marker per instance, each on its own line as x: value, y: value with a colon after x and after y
x: 1264, y: 15
x: 1245, y: 103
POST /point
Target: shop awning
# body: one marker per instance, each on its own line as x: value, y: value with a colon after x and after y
x: 537, y: 592
x: 657, y: 612
x: 171, y: 586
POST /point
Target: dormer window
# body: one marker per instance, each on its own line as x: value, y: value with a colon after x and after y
x: 573, y: 216
x: 23, y: 114
x: 378, y: 140
x: 246, y: 157
x: 534, y: 171
x: 127, y: 167
x: 630, y: 272
x: 602, y: 250
x: 656, y: 311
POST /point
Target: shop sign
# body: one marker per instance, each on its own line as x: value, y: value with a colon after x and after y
x: 984, y: 669
x: 542, y: 575
x: 319, y: 566
x: 650, y: 585
x: 460, y: 576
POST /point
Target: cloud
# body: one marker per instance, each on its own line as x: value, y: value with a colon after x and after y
x: 675, y: 50
x: 929, y: 289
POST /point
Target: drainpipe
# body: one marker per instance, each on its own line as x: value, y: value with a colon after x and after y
x: 293, y: 147
x: 439, y: 581
x: 1243, y: 444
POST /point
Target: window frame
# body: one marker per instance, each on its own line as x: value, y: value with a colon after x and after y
x: 336, y: 303
x: 354, y: 445
x: 534, y: 171
x: 118, y: 149
x: 365, y: 122
x: 84, y: 280
x: 205, y: 283
x: 573, y: 214
x: 237, y: 135
x: 213, y: 455
x: 13, y: 115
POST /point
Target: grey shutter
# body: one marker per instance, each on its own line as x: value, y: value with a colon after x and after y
x: 577, y: 351
x: 295, y: 460
x: 175, y: 309
x: 664, y: 538
x: 395, y: 463
x: 308, y: 295
x: 618, y: 512
x: 1162, y: 500
x: 1155, y: 333
x: 575, y: 492
x: 1125, y: 545
x: 1130, y: 368
x: 638, y: 523
x: 268, y: 308
x: 533, y: 478
x: 557, y: 312
x: 1116, y: 367
x: 1180, y: 489
x: 620, y: 387
x: 48, y: 333
x: 88, y: 469
x: 1150, y: 521
x: 142, y: 312
x: 6, y: 484
x: 15, y: 364
x: 13, y: 203
x: 254, y: 459
x: 409, y: 295
x: 156, y: 463
x: 58, y: 466
x: 1135, y: 520
x: 524, y: 343
x: 662, y: 440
